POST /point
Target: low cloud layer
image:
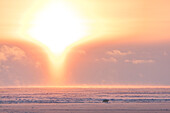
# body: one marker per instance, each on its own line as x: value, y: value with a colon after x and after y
x: 12, y: 52
x: 139, y: 61
x: 122, y: 64
x: 118, y: 53
x: 110, y: 59
x: 8, y: 53
x: 17, y: 68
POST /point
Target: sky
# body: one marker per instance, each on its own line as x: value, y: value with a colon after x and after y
x: 87, y: 42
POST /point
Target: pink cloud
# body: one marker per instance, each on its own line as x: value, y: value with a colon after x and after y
x: 2, y: 57
x: 110, y: 59
x: 13, y: 52
x: 139, y: 61
x: 118, y: 53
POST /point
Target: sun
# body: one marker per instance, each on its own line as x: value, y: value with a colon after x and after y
x: 57, y: 26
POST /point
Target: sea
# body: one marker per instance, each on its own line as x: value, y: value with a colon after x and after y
x: 84, y: 95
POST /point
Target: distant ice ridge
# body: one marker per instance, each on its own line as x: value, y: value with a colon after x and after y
x: 83, y: 95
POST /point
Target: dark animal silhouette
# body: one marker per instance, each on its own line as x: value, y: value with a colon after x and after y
x: 105, y: 101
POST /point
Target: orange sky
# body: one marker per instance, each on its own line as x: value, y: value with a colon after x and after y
x: 110, y: 17
x: 117, y: 26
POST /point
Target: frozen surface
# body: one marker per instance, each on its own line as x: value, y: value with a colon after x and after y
x: 86, y: 108
x: 84, y: 100
x: 83, y: 95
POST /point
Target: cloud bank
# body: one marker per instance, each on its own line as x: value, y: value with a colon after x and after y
x: 14, y: 53
x: 118, y: 53
x: 139, y: 61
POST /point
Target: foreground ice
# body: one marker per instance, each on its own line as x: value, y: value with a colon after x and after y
x: 86, y: 108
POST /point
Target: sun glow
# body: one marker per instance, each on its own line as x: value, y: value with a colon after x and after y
x: 57, y: 26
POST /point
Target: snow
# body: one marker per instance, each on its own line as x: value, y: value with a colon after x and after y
x: 83, y: 95
x: 84, y: 100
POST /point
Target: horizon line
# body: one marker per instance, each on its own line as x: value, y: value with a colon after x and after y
x: 92, y: 86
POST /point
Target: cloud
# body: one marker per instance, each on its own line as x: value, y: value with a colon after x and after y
x: 139, y: 61
x: 2, y: 57
x: 118, y: 53
x: 111, y: 59
x: 14, y: 53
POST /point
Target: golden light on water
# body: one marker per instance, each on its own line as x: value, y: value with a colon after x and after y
x: 57, y: 26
